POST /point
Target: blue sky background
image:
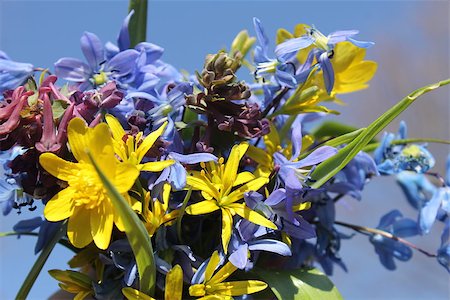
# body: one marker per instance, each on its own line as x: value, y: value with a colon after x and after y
x: 412, y: 48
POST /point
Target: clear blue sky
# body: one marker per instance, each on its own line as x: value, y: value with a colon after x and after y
x: 40, y: 32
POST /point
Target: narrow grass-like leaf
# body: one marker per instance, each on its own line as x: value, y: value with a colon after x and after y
x: 300, y: 284
x: 333, y: 165
x: 372, y: 147
x: 137, y: 235
x: 337, y: 141
x: 39, y: 263
x: 331, y: 129
x: 138, y: 23
x: 63, y: 242
x: 182, y: 210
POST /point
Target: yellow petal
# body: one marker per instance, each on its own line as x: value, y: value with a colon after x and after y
x: 125, y: 176
x: 272, y: 140
x: 174, y: 284
x: 132, y: 294
x: 222, y: 274
x: 81, y: 295
x: 300, y: 29
x: 57, y: 166
x: 203, y: 185
x: 238, y: 194
x: 102, y: 221
x: 342, y: 88
x: 360, y: 73
x: 197, y: 290
x: 156, y: 166
x: 102, y: 149
x: 260, y: 156
x: 215, y: 297
x: 165, y: 196
x: 61, y: 206
x: 116, y: 128
x: 77, y: 133
x: 251, y: 215
x: 203, y: 207
x: 227, y: 228
x: 118, y: 222
x: 301, y: 206
x: 79, y: 227
x: 283, y: 35
x: 212, y: 265
x: 232, y: 165
x: 243, y: 177
x: 148, y: 142
x: 345, y: 55
x: 238, y: 288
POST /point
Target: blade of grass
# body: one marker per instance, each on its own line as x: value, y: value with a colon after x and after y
x: 333, y: 165
x: 39, y: 263
x: 137, y: 235
x: 138, y: 23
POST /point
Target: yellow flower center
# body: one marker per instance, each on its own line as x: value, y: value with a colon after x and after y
x: 90, y: 190
x: 100, y: 78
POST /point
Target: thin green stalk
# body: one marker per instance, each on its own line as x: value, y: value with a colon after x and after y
x: 136, y: 232
x: 39, y: 263
x: 182, y: 210
x: 62, y: 242
x: 138, y: 23
x: 372, y: 147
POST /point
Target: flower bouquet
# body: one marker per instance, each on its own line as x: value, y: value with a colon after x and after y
x: 168, y: 184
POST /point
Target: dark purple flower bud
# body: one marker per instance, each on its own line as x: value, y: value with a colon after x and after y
x: 111, y: 96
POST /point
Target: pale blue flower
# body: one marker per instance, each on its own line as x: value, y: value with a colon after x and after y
x: 391, y: 158
x: 13, y: 74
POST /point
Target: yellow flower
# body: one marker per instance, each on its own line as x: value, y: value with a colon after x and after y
x: 218, y: 183
x: 173, y: 289
x: 213, y: 287
x: 352, y: 72
x: 133, y: 148
x: 74, y: 283
x: 158, y: 215
x: 85, y: 201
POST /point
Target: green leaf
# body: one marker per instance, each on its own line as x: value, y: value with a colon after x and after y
x: 138, y: 23
x: 337, y: 141
x: 39, y: 263
x: 137, y: 235
x: 300, y: 284
x: 332, y: 129
x: 63, y: 242
x: 189, y: 117
x: 333, y: 165
x: 372, y: 147
x: 58, y: 108
x: 31, y: 84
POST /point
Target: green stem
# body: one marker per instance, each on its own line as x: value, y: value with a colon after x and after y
x: 138, y: 23
x: 182, y: 210
x: 62, y: 242
x: 39, y: 263
x: 372, y: 147
x: 136, y: 232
